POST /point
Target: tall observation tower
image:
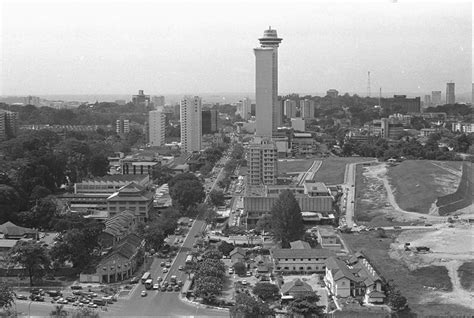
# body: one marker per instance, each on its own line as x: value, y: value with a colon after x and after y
x: 266, y: 83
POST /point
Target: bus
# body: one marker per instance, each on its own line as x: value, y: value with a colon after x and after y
x: 189, y: 259
x: 149, y: 283
x: 145, y: 276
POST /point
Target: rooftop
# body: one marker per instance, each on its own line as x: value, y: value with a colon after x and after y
x: 300, y: 245
x: 302, y: 253
x: 297, y: 286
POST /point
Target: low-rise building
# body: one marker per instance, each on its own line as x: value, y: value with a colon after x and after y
x: 296, y: 288
x: 11, y: 231
x: 328, y: 239
x: 117, y: 228
x: 237, y: 255
x: 131, y: 197
x: 354, y: 277
x: 300, y: 260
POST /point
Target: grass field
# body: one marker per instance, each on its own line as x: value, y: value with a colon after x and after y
x: 294, y: 165
x: 333, y: 169
x: 418, y: 183
x: 466, y: 275
x: 410, y: 283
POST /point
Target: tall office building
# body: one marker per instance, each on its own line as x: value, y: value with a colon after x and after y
x: 191, y: 124
x: 156, y: 128
x: 209, y: 121
x: 289, y: 108
x: 262, y: 161
x: 307, y: 108
x: 427, y: 101
x: 8, y: 124
x: 266, y: 83
x: 450, y: 95
x: 122, y: 126
x: 436, y: 98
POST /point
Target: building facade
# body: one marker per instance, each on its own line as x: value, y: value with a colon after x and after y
x: 450, y: 93
x: 191, y: 124
x: 386, y: 128
x: 301, y: 260
x: 122, y: 126
x: 427, y: 101
x: 266, y: 81
x: 262, y: 158
x: 132, y: 197
x: 158, y: 102
x: 289, y: 108
x: 209, y: 121
x: 401, y: 104
x: 436, y: 98
x: 8, y: 124
x: 156, y: 128
x: 141, y: 99
x: 333, y: 93
x: 307, y: 108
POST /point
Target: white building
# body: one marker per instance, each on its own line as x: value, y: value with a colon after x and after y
x: 307, y: 108
x: 191, y: 123
x: 262, y: 158
x: 298, y: 124
x: 156, y: 124
x: 244, y: 108
x: 266, y: 83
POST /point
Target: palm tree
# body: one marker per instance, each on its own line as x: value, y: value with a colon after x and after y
x: 58, y: 311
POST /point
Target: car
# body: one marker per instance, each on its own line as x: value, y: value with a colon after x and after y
x: 77, y: 293
x: 159, y: 280
x: 156, y: 286
x: 92, y: 305
x: 56, y: 298
x: 428, y: 224
x: 168, y: 264
x: 76, y: 303
x: 143, y: 293
x: 75, y: 287
x: 62, y: 301
x: 397, y: 227
x: 170, y: 288
x: 180, y: 267
x: 165, y: 283
x: 163, y: 288
x: 244, y: 282
x: 177, y: 288
x: 162, y: 264
x: 231, y: 271
x: 21, y: 297
x: 134, y: 280
x: 249, y: 273
x: 165, y: 270
x: 71, y: 298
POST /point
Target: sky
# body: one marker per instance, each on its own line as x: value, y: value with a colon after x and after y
x: 192, y: 47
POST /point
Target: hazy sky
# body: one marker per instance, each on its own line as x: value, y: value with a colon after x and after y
x: 174, y: 47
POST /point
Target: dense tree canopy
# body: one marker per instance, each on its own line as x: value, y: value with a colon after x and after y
x: 247, y: 306
x: 287, y: 221
x: 32, y: 256
x: 306, y: 306
x: 186, y: 191
x: 266, y: 291
x: 7, y: 296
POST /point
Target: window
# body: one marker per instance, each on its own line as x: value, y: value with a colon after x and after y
x: 301, y: 259
x: 286, y: 267
x: 286, y: 259
x: 308, y: 268
x: 301, y: 268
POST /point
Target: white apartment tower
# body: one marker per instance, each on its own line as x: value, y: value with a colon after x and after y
x: 266, y: 83
x: 262, y: 159
x: 307, y: 108
x: 191, y: 124
x: 289, y: 108
x: 156, y: 128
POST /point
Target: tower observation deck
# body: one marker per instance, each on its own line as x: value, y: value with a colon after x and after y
x: 270, y: 38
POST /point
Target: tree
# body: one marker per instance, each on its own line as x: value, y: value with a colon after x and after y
x: 225, y: 247
x: 264, y: 224
x: 58, y: 311
x: 41, y: 214
x: 208, y: 287
x: 266, y: 291
x: 306, y: 306
x: 186, y: 191
x: 287, y: 221
x: 240, y: 268
x: 32, y: 256
x: 161, y: 174
x: 247, y: 306
x: 395, y: 299
x: 9, y: 203
x: 217, y: 197
x: 7, y: 296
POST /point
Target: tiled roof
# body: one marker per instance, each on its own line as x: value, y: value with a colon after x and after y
x: 302, y: 253
x: 126, y: 248
x: 10, y: 228
x: 119, y: 223
x: 357, y: 273
x: 300, y: 245
x: 237, y: 250
x: 296, y: 286
x: 376, y: 294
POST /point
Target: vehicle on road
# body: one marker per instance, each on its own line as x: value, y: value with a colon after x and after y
x: 168, y: 264
x: 145, y: 277
x: 75, y: 287
x: 159, y: 280
x: 170, y: 288
x: 100, y: 302
x: 180, y: 267
x: 149, y: 283
x: 189, y: 259
x: 143, y: 293
x: 173, y: 280
x: 21, y: 297
x: 156, y: 286
x: 165, y: 270
x: 177, y: 288
x: 134, y: 280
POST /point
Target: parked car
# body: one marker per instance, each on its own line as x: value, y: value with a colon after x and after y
x: 71, y: 298
x: 163, y: 288
x: 75, y: 287
x: 92, y: 305
x: 244, y: 282
x: 143, y: 293
x: 159, y: 280
x: 134, y: 280
x: 162, y: 264
x: 180, y: 267
x: 21, y: 297
x: 168, y: 264
x: 156, y: 286
x: 170, y: 288
x: 177, y: 288
x: 165, y: 270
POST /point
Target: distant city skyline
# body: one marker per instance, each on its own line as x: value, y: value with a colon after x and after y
x: 180, y: 47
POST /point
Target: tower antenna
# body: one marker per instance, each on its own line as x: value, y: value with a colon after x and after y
x: 380, y: 96
x: 368, y: 84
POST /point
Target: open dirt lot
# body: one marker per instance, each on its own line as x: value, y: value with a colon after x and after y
x: 333, y: 168
x: 422, y: 288
x: 449, y: 247
x: 376, y: 198
x: 294, y: 165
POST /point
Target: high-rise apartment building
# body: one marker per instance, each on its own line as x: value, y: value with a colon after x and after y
x: 289, y: 108
x: 32, y: 100
x: 307, y: 108
x: 156, y: 128
x: 209, y: 121
x: 141, y: 99
x: 450, y: 94
x: 8, y: 124
x: 262, y: 161
x: 436, y: 98
x: 266, y: 83
x: 244, y: 108
x: 122, y: 126
x: 427, y: 101
x: 191, y: 124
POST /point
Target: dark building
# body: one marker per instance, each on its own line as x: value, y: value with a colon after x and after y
x: 401, y: 104
x: 209, y: 121
x: 141, y: 99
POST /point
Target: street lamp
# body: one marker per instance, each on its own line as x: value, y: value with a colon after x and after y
x: 29, y: 306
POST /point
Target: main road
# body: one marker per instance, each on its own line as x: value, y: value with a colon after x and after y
x: 156, y: 303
